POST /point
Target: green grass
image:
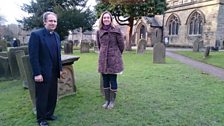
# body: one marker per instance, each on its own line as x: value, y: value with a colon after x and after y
x: 171, y: 94
x: 214, y: 58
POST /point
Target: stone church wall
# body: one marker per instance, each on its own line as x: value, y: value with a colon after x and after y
x: 212, y: 28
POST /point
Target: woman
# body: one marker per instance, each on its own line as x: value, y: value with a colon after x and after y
x: 111, y: 46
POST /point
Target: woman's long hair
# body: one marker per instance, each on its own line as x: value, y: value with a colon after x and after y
x: 101, y: 19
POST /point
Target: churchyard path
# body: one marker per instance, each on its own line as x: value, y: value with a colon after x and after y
x: 206, y: 68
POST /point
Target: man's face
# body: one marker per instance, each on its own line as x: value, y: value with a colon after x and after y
x: 51, y: 22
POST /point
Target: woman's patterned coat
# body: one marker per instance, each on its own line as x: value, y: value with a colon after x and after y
x: 111, y: 46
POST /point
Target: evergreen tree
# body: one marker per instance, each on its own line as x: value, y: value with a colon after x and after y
x: 72, y: 14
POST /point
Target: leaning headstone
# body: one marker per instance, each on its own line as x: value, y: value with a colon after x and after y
x: 141, y: 46
x: 12, y: 60
x: 29, y: 77
x: 19, y: 55
x: 159, y: 51
x: 13, y: 63
x: 84, y: 46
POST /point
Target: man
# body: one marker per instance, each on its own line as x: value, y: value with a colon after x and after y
x: 45, y: 59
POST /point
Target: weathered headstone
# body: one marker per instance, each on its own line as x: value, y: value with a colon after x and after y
x: 4, y: 67
x: 159, y: 52
x: 68, y: 48
x: 76, y: 42
x: 84, y: 46
x: 141, y: 46
x: 207, y: 51
x: 29, y: 77
x: 66, y: 84
x: 12, y: 60
x: 4, y: 54
x: 13, y: 63
x: 19, y: 55
x: 197, y: 45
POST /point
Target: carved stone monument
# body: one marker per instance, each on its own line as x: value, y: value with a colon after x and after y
x: 159, y: 53
x: 66, y: 84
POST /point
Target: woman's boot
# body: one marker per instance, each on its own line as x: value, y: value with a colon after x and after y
x: 107, y: 98
x: 112, y: 99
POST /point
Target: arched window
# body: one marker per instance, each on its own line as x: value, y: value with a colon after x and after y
x: 195, y: 24
x: 173, y: 25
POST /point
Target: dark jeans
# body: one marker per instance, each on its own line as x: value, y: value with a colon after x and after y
x: 110, y: 81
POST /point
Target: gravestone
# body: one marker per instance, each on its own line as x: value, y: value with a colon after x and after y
x: 68, y: 48
x: 29, y: 78
x: 197, y: 45
x: 159, y: 52
x: 66, y: 84
x: 84, y: 46
x: 4, y: 67
x: 12, y: 60
x: 4, y: 54
x: 76, y: 42
x: 141, y: 46
x: 19, y: 55
x: 207, y: 51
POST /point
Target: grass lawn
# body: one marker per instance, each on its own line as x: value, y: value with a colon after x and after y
x: 171, y: 94
x: 214, y: 58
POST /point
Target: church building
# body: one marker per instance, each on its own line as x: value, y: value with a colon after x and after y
x: 187, y: 21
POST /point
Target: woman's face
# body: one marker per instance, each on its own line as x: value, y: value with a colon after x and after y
x: 106, y: 19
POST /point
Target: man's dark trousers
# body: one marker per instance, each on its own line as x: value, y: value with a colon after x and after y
x: 46, y: 97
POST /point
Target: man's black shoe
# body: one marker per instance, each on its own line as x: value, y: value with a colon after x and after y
x: 43, y: 123
x: 52, y: 118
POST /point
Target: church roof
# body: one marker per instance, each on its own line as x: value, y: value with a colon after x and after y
x: 152, y: 21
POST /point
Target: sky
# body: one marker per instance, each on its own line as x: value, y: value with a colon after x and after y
x: 11, y: 9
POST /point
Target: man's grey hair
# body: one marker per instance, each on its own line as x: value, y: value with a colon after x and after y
x: 46, y: 14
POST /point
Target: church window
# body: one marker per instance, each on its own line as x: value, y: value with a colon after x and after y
x: 173, y: 25
x: 195, y: 24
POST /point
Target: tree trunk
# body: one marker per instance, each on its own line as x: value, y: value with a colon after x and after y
x: 128, y: 43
